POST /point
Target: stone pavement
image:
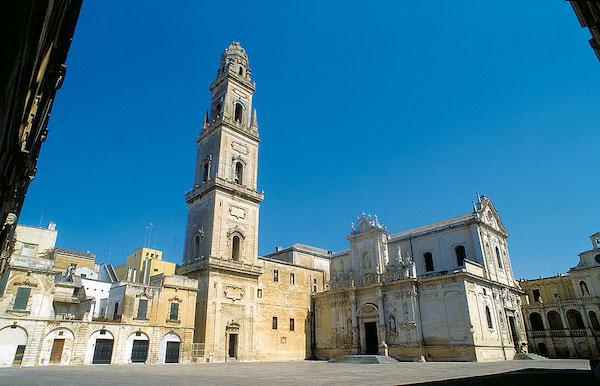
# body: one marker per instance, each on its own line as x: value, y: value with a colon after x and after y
x: 546, y: 372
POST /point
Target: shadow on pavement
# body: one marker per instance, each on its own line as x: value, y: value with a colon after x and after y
x: 540, y: 377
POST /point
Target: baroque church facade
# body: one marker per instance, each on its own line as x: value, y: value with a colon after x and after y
x: 444, y: 291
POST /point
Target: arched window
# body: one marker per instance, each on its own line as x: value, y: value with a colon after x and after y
x: 239, y: 172
x: 584, y: 288
x: 428, y: 258
x: 197, y: 246
x: 241, y: 71
x: 575, y: 320
x: 488, y: 316
x: 499, y: 258
x: 461, y: 254
x: 536, y: 321
x: 555, y: 321
x: 238, y: 112
x: 205, y: 172
x: 218, y: 108
x: 594, y: 320
x: 235, y: 248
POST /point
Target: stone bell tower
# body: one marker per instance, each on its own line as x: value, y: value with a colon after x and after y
x: 224, y: 203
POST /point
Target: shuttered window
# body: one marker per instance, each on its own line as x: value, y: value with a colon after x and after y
x: 142, y: 308
x: 22, y: 298
x: 174, y: 315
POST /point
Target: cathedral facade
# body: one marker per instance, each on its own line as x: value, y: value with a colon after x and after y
x: 443, y: 292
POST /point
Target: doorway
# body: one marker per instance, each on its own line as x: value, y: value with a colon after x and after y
x: 513, y: 332
x: 19, y: 355
x: 172, y: 354
x: 103, y: 352
x: 57, y: 349
x: 232, y: 352
x: 139, y: 351
x: 371, y: 338
x: 542, y: 350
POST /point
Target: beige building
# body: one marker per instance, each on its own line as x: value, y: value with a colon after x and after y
x: 46, y: 320
x: 32, y: 241
x: 384, y: 294
x: 142, y: 264
x: 443, y: 291
x: 562, y: 311
x: 66, y: 258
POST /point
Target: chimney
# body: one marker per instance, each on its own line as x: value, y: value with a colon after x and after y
x: 52, y: 226
x: 278, y: 249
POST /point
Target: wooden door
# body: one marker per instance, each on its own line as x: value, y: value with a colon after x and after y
x: 57, y: 349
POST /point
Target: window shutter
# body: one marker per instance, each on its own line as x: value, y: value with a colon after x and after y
x: 142, y: 309
x: 174, y: 311
x: 22, y: 298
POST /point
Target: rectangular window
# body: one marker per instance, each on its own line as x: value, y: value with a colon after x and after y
x: 292, y: 327
x: 274, y: 326
x: 275, y: 275
x: 28, y: 250
x: 142, y: 308
x: 174, y: 314
x: 536, y: 295
x: 259, y: 293
x: 292, y: 278
x: 314, y: 285
x: 22, y: 298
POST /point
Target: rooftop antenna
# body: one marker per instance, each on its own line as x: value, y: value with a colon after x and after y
x: 146, y: 236
x: 478, y: 197
x: 155, y: 237
x: 150, y: 234
x: 108, y: 258
x: 41, y: 218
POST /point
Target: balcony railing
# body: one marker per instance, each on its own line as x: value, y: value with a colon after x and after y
x: 558, y: 333
x: 539, y: 334
x: 578, y: 333
x: 564, y: 303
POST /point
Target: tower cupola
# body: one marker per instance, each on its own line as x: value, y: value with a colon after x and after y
x: 234, y: 61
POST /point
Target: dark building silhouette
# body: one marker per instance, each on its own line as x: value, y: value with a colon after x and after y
x: 588, y: 13
x: 36, y: 37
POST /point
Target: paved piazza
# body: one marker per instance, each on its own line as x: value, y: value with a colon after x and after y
x: 570, y: 371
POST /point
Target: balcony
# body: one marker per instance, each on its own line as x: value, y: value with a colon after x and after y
x: 404, y: 273
x: 224, y: 264
x: 563, y: 303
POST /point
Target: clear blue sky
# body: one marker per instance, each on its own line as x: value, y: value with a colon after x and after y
x: 401, y: 109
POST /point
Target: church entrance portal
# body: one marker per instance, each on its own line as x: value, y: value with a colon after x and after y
x: 371, y: 338
x: 232, y: 353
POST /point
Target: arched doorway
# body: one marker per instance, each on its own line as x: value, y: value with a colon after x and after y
x: 170, y: 346
x: 58, y: 347
x: 137, y: 345
x: 13, y: 341
x: 100, y: 348
x: 368, y: 315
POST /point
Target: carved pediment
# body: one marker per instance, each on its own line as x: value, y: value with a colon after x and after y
x: 26, y: 283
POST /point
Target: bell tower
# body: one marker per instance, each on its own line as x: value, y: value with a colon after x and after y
x: 224, y: 203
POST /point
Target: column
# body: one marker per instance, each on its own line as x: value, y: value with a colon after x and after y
x: 382, y: 325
